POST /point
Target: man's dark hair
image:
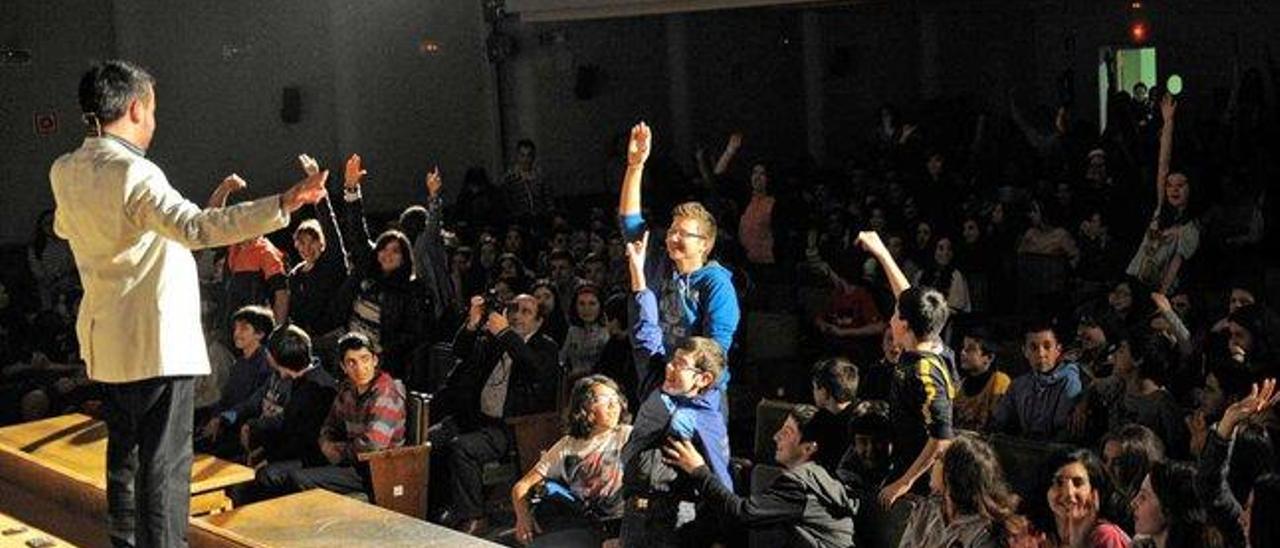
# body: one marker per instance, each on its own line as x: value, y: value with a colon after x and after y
x: 354, y: 341
x: 107, y: 88
x: 527, y: 143
x: 838, y: 376
x: 290, y: 347
x: 925, y: 311
x: 260, y: 318
x: 810, y: 430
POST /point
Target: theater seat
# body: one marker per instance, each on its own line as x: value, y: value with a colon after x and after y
x: 399, y: 476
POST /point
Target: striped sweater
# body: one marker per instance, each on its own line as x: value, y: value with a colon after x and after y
x: 371, y: 421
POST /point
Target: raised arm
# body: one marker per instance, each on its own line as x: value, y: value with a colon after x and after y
x: 152, y: 204
x: 870, y: 241
x: 646, y: 334
x: 232, y: 184
x: 730, y: 150
x: 355, y: 231
x: 637, y: 154
x: 1168, y: 106
x: 328, y: 220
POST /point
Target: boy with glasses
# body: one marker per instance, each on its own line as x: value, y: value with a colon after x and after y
x: 682, y: 399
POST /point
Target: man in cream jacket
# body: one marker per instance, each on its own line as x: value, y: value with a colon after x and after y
x: 139, y: 321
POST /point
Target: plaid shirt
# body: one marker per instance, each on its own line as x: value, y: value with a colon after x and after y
x: 372, y: 421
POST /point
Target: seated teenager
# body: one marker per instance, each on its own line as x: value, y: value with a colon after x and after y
x: 684, y: 403
x: 866, y: 467
x: 806, y: 500
x: 1135, y: 393
x: 282, y: 437
x: 250, y: 327
x: 981, y: 385
x: 367, y: 415
x: 1039, y: 402
x: 587, y: 462
x: 835, y: 388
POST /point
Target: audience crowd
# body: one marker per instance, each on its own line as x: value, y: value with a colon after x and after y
x: 995, y: 328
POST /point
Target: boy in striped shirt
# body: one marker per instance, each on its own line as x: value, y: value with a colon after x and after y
x: 367, y: 415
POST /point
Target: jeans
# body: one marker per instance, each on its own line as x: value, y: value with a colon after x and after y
x: 149, y: 425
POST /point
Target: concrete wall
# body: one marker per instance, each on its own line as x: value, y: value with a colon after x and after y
x: 221, y: 67
x: 60, y: 34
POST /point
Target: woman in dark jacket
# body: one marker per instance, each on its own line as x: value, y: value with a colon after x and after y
x: 382, y: 298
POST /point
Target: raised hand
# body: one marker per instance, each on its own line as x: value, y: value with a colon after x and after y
x: 354, y: 172
x: 1261, y: 397
x: 1161, y: 302
x: 309, y: 165
x: 233, y: 183
x: 735, y: 141
x: 306, y: 191
x: 635, y: 261
x: 434, y: 182
x: 870, y: 242
x: 638, y: 146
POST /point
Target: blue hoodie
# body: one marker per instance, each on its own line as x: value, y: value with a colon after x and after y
x: 662, y: 415
x: 1038, y: 405
x: 701, y: 303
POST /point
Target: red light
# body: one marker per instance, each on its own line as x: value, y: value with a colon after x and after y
x: 1138, y: 31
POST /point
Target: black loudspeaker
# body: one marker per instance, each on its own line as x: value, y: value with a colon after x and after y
x: 291, y: 105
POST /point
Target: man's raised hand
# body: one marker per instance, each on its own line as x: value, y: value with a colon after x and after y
x: 639, y: 144
x: 309, y: 165
x: 306, y: 191
x: 354, y: 172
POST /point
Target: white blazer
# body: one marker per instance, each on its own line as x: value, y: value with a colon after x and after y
x: 131, y: 234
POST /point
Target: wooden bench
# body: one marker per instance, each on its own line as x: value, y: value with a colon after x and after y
x: 319, y: 518
x: 53, y: 476
x: 16, y: 533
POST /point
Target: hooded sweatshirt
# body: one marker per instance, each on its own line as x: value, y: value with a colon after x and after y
x: 812, y: 506
x: 1038, y: 405
x: 701, y: 303
x: 663, y: 415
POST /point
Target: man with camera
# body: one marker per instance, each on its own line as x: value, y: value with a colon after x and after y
x: 506, y: 368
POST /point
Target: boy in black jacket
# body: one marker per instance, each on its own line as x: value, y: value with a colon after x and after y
x: 291, y: 408
x: 806, y: 500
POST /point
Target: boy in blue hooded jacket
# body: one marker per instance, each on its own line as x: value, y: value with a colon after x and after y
x: 694, y: 295
x: 683, y: 402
